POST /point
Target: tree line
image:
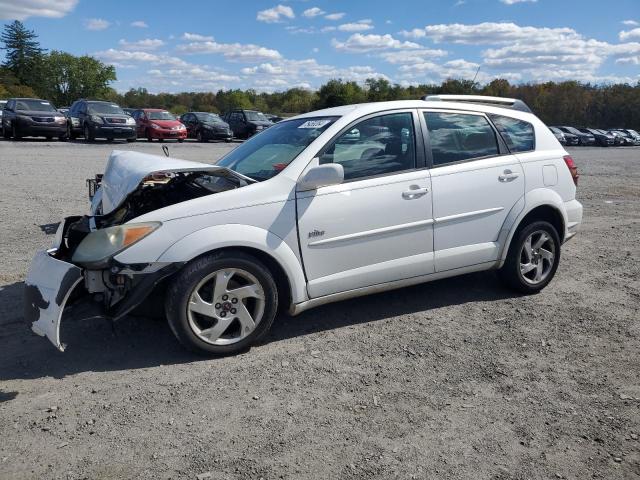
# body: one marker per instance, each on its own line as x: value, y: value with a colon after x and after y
x: 30, y: 71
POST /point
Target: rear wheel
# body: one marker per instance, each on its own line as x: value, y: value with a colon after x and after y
x: 533, y: 258
x: 222, y: 303
x: 14, y: 132
x: 5, y: 133
x: 200, y: 136
x: 148, y: 135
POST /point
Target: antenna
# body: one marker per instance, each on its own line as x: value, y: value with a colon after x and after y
x: 165, y: 149
x: 473, y: 82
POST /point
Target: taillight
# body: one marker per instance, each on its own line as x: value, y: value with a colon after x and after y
x: 572, y: 168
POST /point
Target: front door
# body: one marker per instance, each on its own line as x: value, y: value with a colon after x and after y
x: 476, y: 183
x: 376, y: 226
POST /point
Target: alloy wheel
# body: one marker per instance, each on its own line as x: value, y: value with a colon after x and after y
x: 226, y: 306
x: 537, y: 257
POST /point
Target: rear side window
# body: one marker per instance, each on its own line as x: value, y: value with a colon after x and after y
x: 456, y: 137
x: 518, y: 134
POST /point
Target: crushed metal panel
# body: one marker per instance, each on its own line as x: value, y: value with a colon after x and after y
x: 47, y: 288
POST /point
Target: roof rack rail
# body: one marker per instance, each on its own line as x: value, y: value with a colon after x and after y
x: 512, y: 103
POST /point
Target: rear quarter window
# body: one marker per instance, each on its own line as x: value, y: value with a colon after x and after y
x: 517, y: 134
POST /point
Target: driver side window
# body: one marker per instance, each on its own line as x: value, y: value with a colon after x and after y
x: 376, y: 146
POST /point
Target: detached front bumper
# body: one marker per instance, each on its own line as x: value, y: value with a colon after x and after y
x: 47, y: 288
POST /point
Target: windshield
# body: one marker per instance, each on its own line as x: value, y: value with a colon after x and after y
x: 208, y: 117
x: 256, y: 116
x: 164, y: 115
x: 268, y: 153
x: 108, y: 108
x: 34, y: 105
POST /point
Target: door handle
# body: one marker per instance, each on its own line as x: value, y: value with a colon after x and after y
x: 507, y: 176
x: 415, y: 191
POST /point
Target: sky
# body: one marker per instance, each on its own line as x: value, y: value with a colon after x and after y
x: 197, y: 45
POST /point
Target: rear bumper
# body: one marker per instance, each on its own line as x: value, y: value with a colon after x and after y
x: 573, y: 209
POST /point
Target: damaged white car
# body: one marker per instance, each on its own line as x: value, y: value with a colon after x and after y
x: 324, y: 206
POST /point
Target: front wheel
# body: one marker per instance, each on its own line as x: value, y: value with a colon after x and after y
x: 88, y: 136
x: 532, y: 259
x: 5, y: 133
x: 222, y: 303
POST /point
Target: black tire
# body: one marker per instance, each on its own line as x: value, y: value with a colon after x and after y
x: 88, y: 136
x: 14, y: 132
x: 511, y: 273
x: 200, y: 137
x: 181, y: 289
x: 147, y: 134
x: 49, y: 138
x: 5, y: 133
x: 180, y: 140
x: 70, y: 133
x: 131, y: 140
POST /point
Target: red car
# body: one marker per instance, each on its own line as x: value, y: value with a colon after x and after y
x: 157, y: 123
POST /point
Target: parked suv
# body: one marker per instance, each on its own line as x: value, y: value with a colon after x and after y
x: 429, y: 189
x: 205, y: 126
x: 32, y: 117
x: 97, y: 119
x: 157, y: 123
x: 246, y: 123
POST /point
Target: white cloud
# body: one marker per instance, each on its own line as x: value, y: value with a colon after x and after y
x: 276, y: 14
x: 537, y: 54
x: 630, y: 23
x: 196, y: 37
x: 335, y: 16
x: 399, y: 57
x: 629, y: 35
x: 236, y: 52
x: 139, y: 24
x: 488, y: 33
x: 629, y: 60
x: 313, y: 12
x: 359, y: 43
x: 287, y: 73
x: 146, y: 44
x: 513, y: 2
x: 96, y: 24
x: 119, y: 57
x: 23, y: 9
x: 359, y: 26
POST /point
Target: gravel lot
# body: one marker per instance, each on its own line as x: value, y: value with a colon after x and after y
x: 455, y: 379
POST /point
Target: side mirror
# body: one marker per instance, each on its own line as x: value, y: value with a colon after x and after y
x: 321, y: 176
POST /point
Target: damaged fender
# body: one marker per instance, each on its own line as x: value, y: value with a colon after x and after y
x: 47, y: 288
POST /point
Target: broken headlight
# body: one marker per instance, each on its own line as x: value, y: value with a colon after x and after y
x: 99, y: 246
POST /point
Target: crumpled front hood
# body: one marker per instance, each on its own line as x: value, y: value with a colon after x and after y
x: 125, y: 170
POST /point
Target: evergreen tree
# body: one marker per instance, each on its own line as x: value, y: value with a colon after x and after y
x: 23, y: 52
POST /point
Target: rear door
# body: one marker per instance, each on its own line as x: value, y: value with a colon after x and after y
x: 476, y: 182
x: 376, y: 226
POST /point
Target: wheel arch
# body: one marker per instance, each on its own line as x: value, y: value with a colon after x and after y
x: 267, y: 247
x: 539, y: 204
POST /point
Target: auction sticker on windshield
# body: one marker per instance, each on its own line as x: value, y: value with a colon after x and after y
x: 314, y: 123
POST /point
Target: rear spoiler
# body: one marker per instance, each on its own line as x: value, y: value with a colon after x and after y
x: 512, y: 103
